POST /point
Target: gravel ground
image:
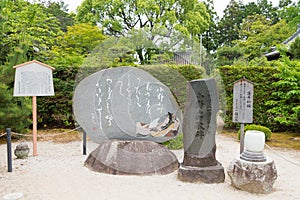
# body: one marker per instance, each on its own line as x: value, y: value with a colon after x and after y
x: 58, y: 173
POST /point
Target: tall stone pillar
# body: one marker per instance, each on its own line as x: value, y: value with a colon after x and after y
x: 199, y: 129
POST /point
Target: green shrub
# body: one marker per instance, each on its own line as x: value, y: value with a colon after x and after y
x: 14, y: 111
x: 176, y: 143
x: 175, y: 77
x: 266, y: 130
x: 285, y: 98
x: 56, y: 111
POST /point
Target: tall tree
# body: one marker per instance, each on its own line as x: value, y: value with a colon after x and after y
x: 82, y: 38
x: 209, y: 37
x: 157, y: 21
x: 289, y: 11
x: 60, y: 11
x: 284, y: 3
x: 229, y: 25
x: 259, y: 35
x: 26, y: 32
x: 27, y: 29
x: 234, y: 14
x: 118, y: 17
x: 252, y: 9
x: 268, y: 10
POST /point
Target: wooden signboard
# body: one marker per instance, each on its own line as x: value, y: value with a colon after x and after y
x: 243, y: 101
x: 242, y: 105
x: 34, y: 79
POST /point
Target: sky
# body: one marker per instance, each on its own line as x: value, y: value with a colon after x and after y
x: 220, y: 5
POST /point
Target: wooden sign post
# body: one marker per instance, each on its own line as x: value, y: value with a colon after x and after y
x: 34, y: 79
x: 34, y: 125
x: 242, y: 105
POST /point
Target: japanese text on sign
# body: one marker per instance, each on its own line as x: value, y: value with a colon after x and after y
x: 33, y: 79
x: 242, y: 101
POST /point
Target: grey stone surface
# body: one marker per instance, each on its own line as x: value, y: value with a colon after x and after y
x: 253, y: 156
x: 199, y: 160
x: 199, y: 129
x: 199, y: 122
x: 254, y: 177
x: 212, y: 174
x: 22, y: 150
x: 133, y: 157
x: 113, y: 103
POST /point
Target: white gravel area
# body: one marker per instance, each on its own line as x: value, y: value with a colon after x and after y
x: 58, y: 173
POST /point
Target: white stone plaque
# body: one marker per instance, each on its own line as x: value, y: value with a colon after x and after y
x: 242, y: 101
x: 33, y: 79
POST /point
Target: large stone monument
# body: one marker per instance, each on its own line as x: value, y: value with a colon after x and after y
x: 126, y: 110
x: 199, y: 128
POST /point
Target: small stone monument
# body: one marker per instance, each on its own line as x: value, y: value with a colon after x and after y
x: 199, y: 129
x: 22, y: 150
x: 126, y: 111
x: 253, y: 171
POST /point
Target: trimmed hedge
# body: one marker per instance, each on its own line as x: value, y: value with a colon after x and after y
x: 262, y: 77
x: 56, y: 111
x: 175, y: 77
x: 266, y: 130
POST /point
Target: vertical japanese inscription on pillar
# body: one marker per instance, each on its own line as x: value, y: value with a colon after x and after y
x: 204, y: 110
x: 242, y: 101
x: 199, y: 124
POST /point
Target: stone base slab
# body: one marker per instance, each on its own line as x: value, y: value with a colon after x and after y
x: 211, y: 174
x: 254, y: 177
x: 132, y: 157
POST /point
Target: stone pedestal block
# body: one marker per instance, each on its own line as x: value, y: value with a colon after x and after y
x: 196, y: 168
x: 211, y: 174
x: 132, y: 157
x: 254, y: 177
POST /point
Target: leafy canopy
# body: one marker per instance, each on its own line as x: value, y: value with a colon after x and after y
x: 295, y: 48
x: 160, y: 25
x: 285, y: 99
x: 27, y: 30
x: 259, y: 35
x: 118, y: 17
